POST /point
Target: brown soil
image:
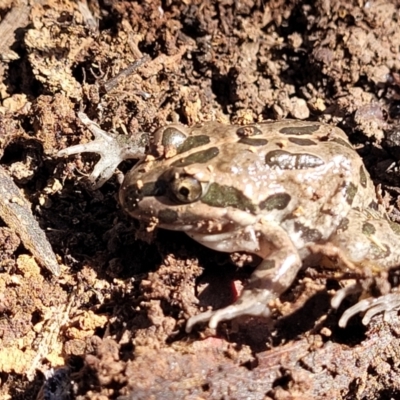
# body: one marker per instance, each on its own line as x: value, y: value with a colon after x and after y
x: 112, y: 324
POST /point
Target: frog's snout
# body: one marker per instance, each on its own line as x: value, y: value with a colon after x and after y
x: 132, y: 194
x: 130, y: 197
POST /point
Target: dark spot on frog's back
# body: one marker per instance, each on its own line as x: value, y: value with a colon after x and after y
x: 167, y: 216
x: 248, y: 130
x: 286, y: 160
x: 193, y: 142
x: 350, y: 192
x: 344, y: 225
x: 278, y: 201
x: 368, y: 229
x: 200, y: 157
x: 302, y: 142
x: 227, y: 196
x: 253, y: 141
x: 299, y: 130
x: 308, y: 234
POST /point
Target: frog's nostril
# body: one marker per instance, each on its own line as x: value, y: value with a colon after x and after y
x: 130, y: 198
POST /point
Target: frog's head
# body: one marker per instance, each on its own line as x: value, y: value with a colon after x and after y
x: 166, y: 196
x: 181, y: 190
x: 186, y: 199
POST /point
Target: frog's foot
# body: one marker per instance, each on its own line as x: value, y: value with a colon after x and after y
x: 249, y: 303
x: 372, y: 306
x: 112, y: 150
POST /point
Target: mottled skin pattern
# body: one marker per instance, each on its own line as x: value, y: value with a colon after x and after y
x: 274, y: 189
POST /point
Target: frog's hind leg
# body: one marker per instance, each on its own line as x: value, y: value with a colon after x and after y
x: 280, y: 265
x: 370, y: 243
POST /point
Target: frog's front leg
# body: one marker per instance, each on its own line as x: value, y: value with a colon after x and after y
x: 270, y: 279
x: 113, y: 149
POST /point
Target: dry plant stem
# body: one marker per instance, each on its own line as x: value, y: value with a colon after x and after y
x: 16, y: 213
x: 46, y: 341
x: 110, y: 84
x: 90, y: 19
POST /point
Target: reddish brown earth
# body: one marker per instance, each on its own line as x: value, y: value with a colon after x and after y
x: 114, y: 319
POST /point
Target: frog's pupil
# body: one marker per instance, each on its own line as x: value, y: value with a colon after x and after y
x: 184, y: 191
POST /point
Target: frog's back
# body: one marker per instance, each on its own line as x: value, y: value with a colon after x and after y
x: 304, y: 176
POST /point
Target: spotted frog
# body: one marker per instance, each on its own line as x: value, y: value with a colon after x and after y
x: 288, y: 191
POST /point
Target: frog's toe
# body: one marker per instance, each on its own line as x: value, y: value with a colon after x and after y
x: 237, y: 310
x: 240, y: 308
x: 104, y: 168
x: 198, y: 319
x: 342, y: 293
x: 372, y: 306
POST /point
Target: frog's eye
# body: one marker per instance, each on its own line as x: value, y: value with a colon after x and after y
x: 173, y: 137
x: 186, y: 189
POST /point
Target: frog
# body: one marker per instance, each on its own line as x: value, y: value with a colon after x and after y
x: 291, y: 192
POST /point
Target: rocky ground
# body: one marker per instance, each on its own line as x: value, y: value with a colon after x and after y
x: 112, y: 324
